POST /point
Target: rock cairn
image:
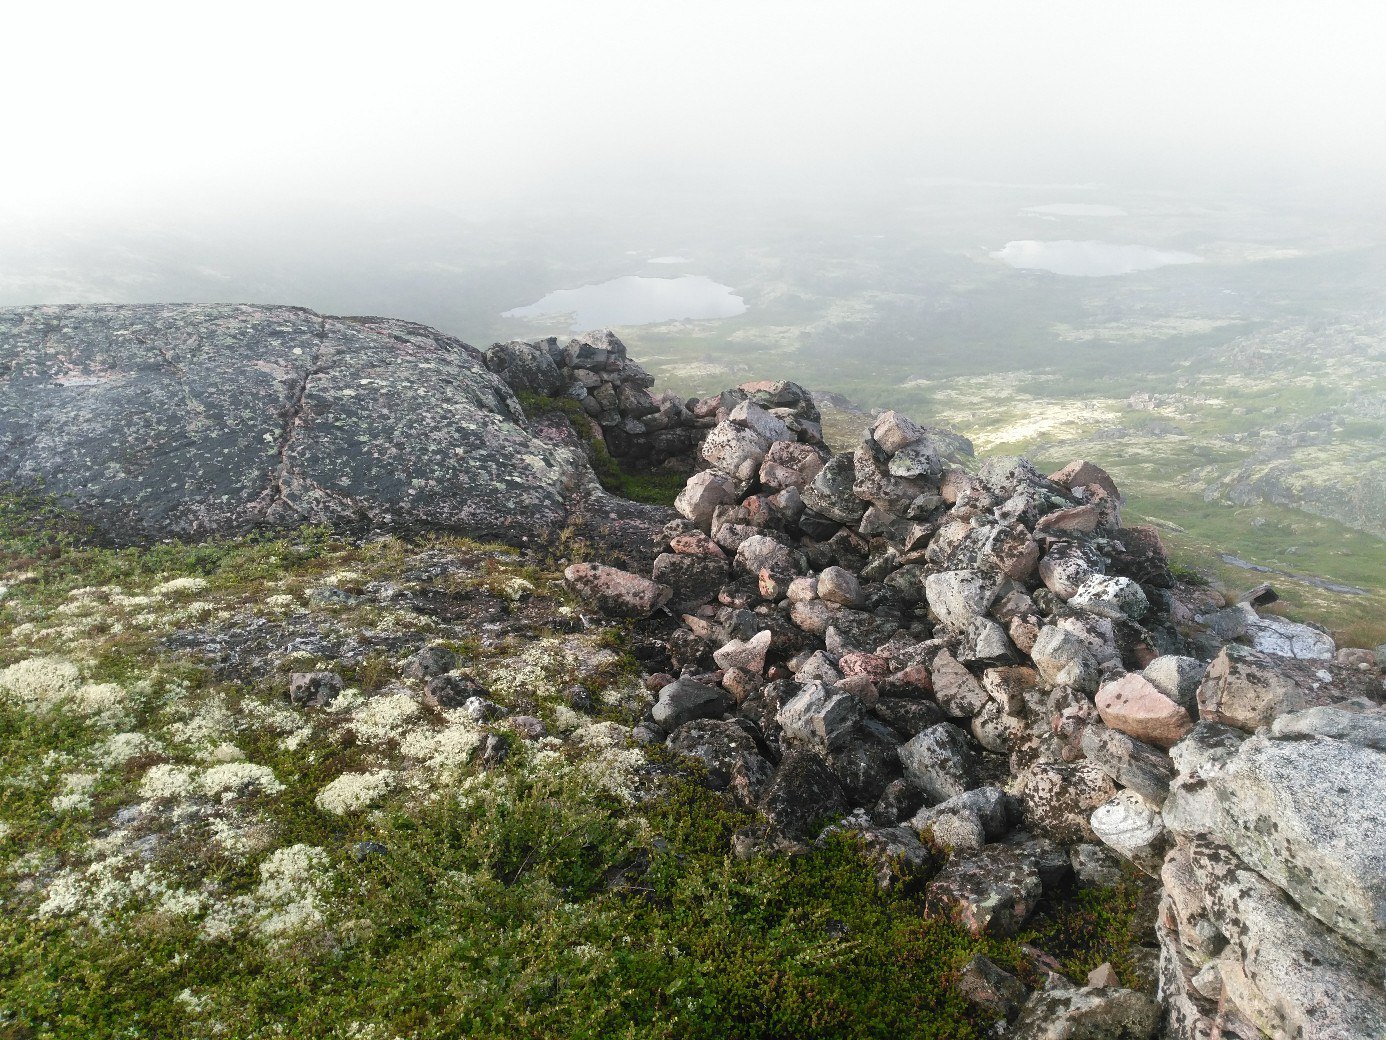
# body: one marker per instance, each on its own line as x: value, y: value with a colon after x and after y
x: 612, y: 390
x: 998, y: 686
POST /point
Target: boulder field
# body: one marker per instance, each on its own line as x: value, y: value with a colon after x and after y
x: 1003, y: 691
x: 978, y: 669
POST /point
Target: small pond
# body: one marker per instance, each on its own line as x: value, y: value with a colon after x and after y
x: 635, y: 300
x: 1089, y: 259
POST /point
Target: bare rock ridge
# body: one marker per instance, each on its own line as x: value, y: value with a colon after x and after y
x: 192, y: 420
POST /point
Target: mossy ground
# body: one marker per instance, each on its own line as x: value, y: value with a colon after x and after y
x: 578, y: 888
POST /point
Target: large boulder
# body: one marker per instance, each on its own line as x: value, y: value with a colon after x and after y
x: 1307, y: 814
x: 1280, y: 968
x: 193, y: 420
x: 1248, y: 690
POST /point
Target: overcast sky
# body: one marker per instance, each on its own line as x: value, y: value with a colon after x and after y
x: 127, y: 103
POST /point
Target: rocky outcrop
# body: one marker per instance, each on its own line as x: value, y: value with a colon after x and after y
x: 1274, y: 915
x: 976, y: 672
x: 190, y: 420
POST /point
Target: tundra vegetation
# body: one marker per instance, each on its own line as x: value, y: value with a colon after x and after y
x: 186, y: 852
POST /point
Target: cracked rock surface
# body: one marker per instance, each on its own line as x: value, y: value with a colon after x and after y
x: 191, y: 420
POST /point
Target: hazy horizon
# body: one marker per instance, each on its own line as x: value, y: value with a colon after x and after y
x: 157, y: 109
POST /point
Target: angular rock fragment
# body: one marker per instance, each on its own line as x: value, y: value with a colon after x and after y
x: 702, y: 494
x: 1133, y: 706
x: 684, y: 700
x: 939, y: 761
x: 956, y: 597
x: 803, y: 796
x: 820, y: 716
x: 615, y: 592
x: 989, y: 891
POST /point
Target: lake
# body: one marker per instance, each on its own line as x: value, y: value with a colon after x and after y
x: 635, y: 300
x: 1089, y: 259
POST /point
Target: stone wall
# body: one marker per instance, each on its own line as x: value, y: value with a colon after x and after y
x: 612, y: 390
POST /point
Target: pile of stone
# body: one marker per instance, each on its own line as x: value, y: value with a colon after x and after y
x: 984, y: 675
x: 613, y: 391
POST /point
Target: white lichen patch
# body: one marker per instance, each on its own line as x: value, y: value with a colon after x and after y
x: 76, y: 793
x: 207, y: 723
x: 41, y: 682
x: 178, y: 586
x: 232, y: 779
x: 352, y: 792
x: 449, y: 750
x: 287, y: 901
x: 610, y: 760
x: 290, y: 891
x: 385, y: 718
x: 120, y: 748
x: 166, y: 780
x: 112, y: 884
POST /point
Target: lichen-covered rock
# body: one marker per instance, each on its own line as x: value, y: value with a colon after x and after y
x: 839, y: 586
x: 820, y: 716
x: 1177, y: 678
x: 1064, y: 1012
x: 693, y: 578
x: 956, y: 597
x: 1067, y: 566
x: 1111, y: 596
x: 1062, y: 658
x: 955, y: 688
x: 939, y: 761
x: 684, y: 700
x: 615, y: 592
x: 831, y: 494
x: 745, y: 654
x: 526, y: 368
x: 1248, y: 690
x: 1135, y: 707
x: 1129, y: 826
x: 1058, y: 798
x: 736, y: 451
x: 803, y: 796
x: 989, y: 891
x: 314, y: 689
x: 1282, y: 969
x: 729, y: 755
x: 985, y: 985
x: 1364, y: 725
x: 193, y: 420
x: 1143, y: 768
x: 1307, y: 814
x: 702, y: 494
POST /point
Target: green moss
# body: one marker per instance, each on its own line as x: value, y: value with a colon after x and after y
x: 1093, y: 925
